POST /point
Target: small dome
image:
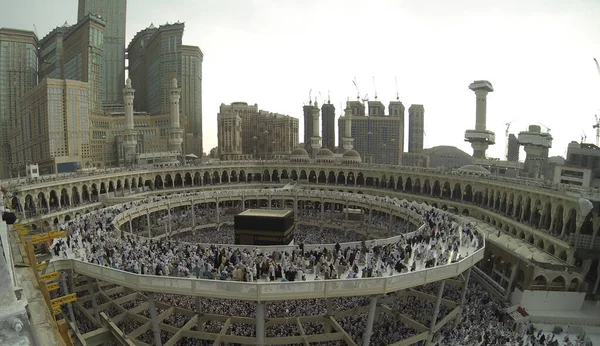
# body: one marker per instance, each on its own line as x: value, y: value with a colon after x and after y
x: 351, y: 153
x: 324, y: 152
x: 299, y: 152
x: 151, y: 26
x: 474, y: 169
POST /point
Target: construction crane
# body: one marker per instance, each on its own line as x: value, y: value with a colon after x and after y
x: 374, y: 88
x: 583, y: 137
x: 507, y: 136
x: 597, y: 127
x: 546, y: 127
x: 357, y: 91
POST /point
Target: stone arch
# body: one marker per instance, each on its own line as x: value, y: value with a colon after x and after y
x: 119, y: 185
x: 519, y: 207
x: 53, y: 199
x: 540, y: 280
x: 350, y: 180
x: 168, y: 181
x: 94, y: 193
x: 187, y: 179
x: 408, y: 185
x: 510, y: 207
x: 294, y: 175
x: 341, y: 178
x: 30, y: 207
x: 331, y: 178
x: 312, y: 177
x: 224, y: 178
x: 266, y: 175
x: 233, y: 177
x: 536, y: 213
x: 284, y: 174
x: 178, y: 182
x: 540, y: 243
x: 551, y: 249
x: 126, y: 184
x: 303, y: 175
x: 468, y: 193
x: 242, y: 176
x: 587, y: 227
x: 75, y: 197
x: 417, y: 186
x: 158, y: 182
x: 391, y: 183
x: 399, y: 185
x: 571, y: 221
x: 446, y: 190
x: 531, y: 239
x: 558, y: 219
x: 558, y: 282
x: 149, y: 184
x: 216, y: 177
x: 563, y: 255
x: 207, y: 178
x: 574, y: 285
x: 197, y: 179
x: 360, y: 179
x: 111, y: 186
x: 275, y: 176
x: 546, y: 216
x: 527, y: 210
x: 427, y: 187
x: 457, y: 192
x: 436, y: 191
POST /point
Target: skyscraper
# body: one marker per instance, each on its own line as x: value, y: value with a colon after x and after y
x: 191, y: 98
x: 416, y: 128
x: 513, y: 148
x: 328, y: 125
x: 113, y: 12
x: 51, y: 52
x: 18, y: 74
x: 378, y: 137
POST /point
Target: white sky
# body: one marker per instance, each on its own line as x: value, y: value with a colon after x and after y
x: 537, y: 54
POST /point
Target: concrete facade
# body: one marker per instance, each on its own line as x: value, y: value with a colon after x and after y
x: 18, y: 74
x: 379, y: 138
x: 114, y: 13
x: 416, y: 128
x: 263, y: 134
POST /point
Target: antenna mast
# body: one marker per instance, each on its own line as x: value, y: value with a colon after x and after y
x: 310, y: 97
x: 328, y: 97
x: 397, y: 94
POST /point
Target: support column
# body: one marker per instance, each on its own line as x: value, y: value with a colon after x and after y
x: 218, y: 212
x: 63, y: 279
x: 463, y: 297
x: 436, y: 312
x: 130, y: 225
x: 94, y: 302
x: 322, y: 209
x: 511, y: 280
x: 193, y: 217
x: 148, y: 223
x: 370, y: 319
x: 269, y: 202
x: 154, y: 319
x: 170, y: 222
x: 260, y: 323
x: 328, y: 313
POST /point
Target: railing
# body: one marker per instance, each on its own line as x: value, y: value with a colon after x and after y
x: 268, y: 291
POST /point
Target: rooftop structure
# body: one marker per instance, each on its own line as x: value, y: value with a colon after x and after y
x: 480, y: 138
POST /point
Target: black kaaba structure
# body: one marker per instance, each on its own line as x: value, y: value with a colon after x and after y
x: 264, y: 227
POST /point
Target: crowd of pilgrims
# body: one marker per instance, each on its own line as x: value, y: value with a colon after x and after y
x: 90, y: 239
x: 180, y: 254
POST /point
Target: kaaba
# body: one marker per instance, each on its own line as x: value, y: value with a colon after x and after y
x: 264, y: 227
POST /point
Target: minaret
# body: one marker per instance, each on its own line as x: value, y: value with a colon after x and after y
x: 315, y: 140
x: 175, y: 131
x: 480, y: 138
x: 130, y: 135
x: 347, y: 141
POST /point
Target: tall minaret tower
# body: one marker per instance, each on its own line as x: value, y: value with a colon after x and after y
x: 480, y: 138
x: 347, y: 141
x: 175, y: 132
x: 130, y: 135
x: 315, y: 140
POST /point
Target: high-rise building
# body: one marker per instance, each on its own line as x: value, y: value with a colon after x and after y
x: 260, y: 134
x: 328, y: 125
x: 54, y: 127
x: 379, y: 137
x: 513, y: 148
x: 416, y: 128
x: 156, y: 56
x: 83, y: 54
x: 18, y: 74
x: 51, y: 52
x: 191, y: 98
x: 114, y: 14
x: 309, y: 112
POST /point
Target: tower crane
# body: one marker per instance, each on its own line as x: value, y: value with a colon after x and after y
x: 374, y: 88
x: 357, y: 91
x: 583, y: 137
x: 507, y: 136
x: 546, y: 127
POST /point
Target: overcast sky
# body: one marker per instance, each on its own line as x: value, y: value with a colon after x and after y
x: 538, y: 54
